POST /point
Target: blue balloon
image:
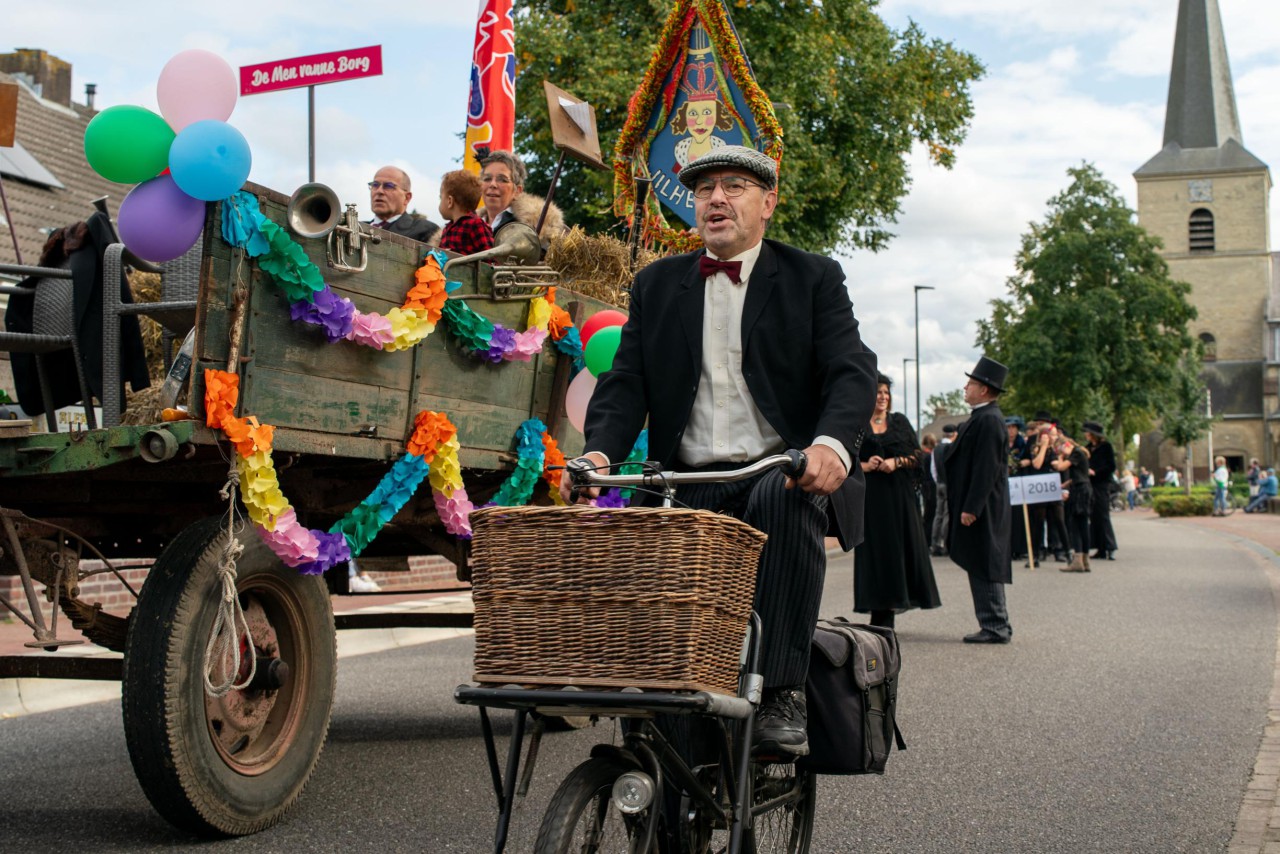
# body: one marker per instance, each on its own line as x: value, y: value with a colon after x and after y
x: 209, y: 160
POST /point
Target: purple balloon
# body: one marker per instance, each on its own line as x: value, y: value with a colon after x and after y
x: 159, y: 222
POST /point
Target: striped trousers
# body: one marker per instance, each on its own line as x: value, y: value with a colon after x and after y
x: 989, y: 605
x: 793, y: 563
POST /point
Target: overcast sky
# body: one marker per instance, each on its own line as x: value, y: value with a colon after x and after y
x: 1066, y: 82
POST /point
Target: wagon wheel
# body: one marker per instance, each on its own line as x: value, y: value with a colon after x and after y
x: 232, y: 765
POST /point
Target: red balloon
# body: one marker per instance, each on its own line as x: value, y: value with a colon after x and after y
x: 598, y: 321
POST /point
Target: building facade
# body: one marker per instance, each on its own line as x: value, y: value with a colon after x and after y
x: 1208, y: 200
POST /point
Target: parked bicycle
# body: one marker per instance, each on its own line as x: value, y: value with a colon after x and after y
x: 647, y: 795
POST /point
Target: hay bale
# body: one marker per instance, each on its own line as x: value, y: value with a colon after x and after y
x: 598, y: 266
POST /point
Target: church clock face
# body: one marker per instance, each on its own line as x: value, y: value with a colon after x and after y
x: 1200, y: 190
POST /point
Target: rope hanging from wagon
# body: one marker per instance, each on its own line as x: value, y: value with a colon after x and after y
x: 230, y: 623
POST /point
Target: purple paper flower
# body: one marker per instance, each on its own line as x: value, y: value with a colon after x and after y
x: 327, y: 310
x: 333, y: 551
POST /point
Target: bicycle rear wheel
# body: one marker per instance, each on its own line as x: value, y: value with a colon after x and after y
x: 583, y: 818
x: 783, y: 806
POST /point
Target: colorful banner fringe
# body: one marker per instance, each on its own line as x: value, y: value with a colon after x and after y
x: 313, y: 301
x: 431, y: 454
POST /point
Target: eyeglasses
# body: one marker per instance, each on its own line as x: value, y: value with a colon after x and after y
x: 386, y: 185
x: 732, y: 187
x: 495, y: 179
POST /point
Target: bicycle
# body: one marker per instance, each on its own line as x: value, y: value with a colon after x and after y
x: 643, y: 796
x: 1233, y: 503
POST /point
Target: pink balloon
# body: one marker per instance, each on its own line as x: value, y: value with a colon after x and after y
x: 598, y: 321
x: 196, y: 85
x: 577, y: 398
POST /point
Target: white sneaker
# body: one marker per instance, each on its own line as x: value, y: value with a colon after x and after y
x: 362, y: 583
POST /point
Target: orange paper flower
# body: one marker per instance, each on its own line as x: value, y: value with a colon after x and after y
x: 221, y: 393
x: 430, y: 431
x: 552, y: 457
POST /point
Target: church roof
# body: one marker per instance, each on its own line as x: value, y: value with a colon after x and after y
x: 1201, y: 125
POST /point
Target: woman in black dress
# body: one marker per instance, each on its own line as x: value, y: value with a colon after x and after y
x: 891, y: 569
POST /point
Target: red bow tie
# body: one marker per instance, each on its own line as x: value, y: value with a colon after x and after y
x: 708, y: 266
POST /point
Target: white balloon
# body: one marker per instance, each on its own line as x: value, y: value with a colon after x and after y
x: 577, y: 398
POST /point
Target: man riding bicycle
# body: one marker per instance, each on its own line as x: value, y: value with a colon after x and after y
x: 731, y: 355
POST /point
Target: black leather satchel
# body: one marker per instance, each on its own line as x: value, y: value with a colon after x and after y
x: 852, y: 694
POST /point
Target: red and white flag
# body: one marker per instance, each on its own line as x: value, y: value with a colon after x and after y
x: 491, y: 106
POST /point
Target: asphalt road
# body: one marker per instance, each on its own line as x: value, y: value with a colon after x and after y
x: 1125, y: 716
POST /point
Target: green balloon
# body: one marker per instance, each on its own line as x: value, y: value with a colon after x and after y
x: 601, y: 349
x: 128, y: 144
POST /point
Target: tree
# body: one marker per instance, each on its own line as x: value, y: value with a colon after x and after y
x: 952, y: 401
x: 1184, y: 417
x: 1093, y: 327
x: 852, y: 95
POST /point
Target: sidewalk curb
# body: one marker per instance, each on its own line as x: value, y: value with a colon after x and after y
x: 20, y: 697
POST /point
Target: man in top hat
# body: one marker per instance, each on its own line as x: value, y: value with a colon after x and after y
x: 1102, y: 474
x: 978, y: 495
x: 732, y: 354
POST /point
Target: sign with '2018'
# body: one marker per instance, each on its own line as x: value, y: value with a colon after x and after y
x: 1036, y: 489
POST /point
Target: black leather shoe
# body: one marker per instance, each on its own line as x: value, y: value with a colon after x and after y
x: 780, y: 724
x: 984, y: 636
x: 1099, y: 555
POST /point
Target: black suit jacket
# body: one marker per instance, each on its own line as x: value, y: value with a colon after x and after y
x: 414, y: 226
x: 978, y: 483
x: 803, y: 361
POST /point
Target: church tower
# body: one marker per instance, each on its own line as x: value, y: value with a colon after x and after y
x: 1208, y: 199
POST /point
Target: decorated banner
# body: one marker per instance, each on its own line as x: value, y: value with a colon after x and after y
x: 698, y: 94
x: 491, y: 106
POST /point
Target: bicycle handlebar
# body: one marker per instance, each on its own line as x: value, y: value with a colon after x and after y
x: 792, y: 463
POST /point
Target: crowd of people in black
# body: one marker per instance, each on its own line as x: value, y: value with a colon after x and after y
x: 912, y: 510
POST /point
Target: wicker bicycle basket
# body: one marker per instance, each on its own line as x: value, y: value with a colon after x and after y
x: 605, y: 598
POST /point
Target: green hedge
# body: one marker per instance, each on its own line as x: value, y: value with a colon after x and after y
x: 1176, y: 502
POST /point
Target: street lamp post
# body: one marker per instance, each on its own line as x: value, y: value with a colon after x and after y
x: 905, y: 407
x: 918, y: 289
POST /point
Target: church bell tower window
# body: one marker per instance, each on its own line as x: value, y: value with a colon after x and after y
x: 1210, y: 346
x: 1201, y: 230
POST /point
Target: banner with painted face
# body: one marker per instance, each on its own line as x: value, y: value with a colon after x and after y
x: 699, y: 93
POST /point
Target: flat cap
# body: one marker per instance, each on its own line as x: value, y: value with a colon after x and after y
x: 733, y: 157
x: 948, y: 428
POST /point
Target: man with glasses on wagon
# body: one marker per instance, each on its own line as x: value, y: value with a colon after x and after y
x: 389, y: 195
x: 733, y: 354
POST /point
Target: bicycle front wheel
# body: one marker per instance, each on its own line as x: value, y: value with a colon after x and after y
x: 783, y: 806
x: 582, y: 816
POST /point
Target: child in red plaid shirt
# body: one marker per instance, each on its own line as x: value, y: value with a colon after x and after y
x: 465, y: 232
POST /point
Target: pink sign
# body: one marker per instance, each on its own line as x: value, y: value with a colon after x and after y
x: 311, y: 70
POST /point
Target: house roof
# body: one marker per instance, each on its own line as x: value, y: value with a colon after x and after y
x: 52, y: 135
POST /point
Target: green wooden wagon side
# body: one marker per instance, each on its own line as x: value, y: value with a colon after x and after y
x: 229, y: 762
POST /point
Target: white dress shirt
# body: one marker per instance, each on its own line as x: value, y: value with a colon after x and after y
x: 725, y: 425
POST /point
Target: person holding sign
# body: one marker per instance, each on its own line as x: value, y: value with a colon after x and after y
x: 978, y: 499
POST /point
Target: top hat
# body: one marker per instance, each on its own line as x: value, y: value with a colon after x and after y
x: 1093, y: 427
x: 990, y: 373
x: 1042, y: 415
x: 948, y: 428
